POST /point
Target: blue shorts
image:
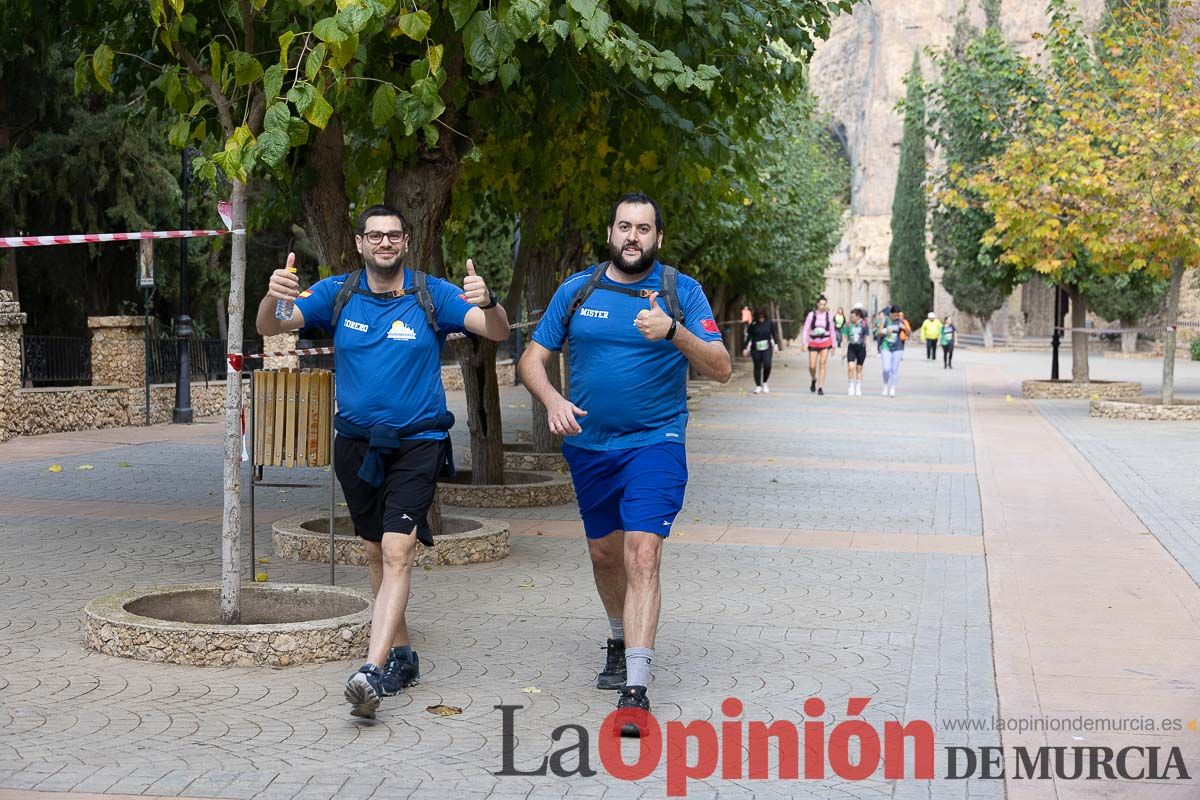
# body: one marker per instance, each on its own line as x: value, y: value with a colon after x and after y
x: 639, y: 489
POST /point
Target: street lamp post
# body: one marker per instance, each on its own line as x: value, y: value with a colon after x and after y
x: 182, y: 413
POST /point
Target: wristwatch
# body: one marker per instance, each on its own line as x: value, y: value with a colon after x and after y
x: 491, y: 301
x: 671, y: 331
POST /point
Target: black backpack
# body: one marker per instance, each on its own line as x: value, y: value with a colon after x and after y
x: 668, y: 292
x: 420, y: 289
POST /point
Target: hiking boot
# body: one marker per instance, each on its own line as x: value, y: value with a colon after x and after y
x: 613, y: 676
x: 400, y: 671
x: 364, y: 690
x: 633, y: 697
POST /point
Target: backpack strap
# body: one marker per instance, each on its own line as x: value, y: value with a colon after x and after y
x: 670, y: 294
x: 351, y: 287
x: 421, y: 285
x: 584, y: 293
x: 343, y: 297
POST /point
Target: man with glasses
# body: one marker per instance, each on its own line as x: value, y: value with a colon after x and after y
x: 392, y: 421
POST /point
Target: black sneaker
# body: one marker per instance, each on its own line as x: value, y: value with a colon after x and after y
x: 364, y: 690
x: 821, y: 390
x: 633, y: 697
x: 400, y: 671
x: 613, y: 676
x: 812, y: 387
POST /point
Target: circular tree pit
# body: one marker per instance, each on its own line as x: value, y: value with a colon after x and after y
x: 521, y: 457
x: 282, y: 625
x: 464, y: 540
x: 1069, y: 390
x: 521, y: 489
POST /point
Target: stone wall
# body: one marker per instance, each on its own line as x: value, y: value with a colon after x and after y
x: 118, y: 351
x: 85, y: 408
x: 11, y: 321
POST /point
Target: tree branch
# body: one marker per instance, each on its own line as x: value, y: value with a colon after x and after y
x: 224, y: 111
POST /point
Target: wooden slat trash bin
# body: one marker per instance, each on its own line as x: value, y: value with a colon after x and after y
x: 291, y: 426
x: 292, y: 417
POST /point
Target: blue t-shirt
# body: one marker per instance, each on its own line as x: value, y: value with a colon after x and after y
x: 634, y: 390
x: 388, y: 359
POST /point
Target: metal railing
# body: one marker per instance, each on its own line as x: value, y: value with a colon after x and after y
x: 55, y: 361
x: 206, y: 359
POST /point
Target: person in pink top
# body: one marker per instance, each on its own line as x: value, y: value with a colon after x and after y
x: 818, y: 339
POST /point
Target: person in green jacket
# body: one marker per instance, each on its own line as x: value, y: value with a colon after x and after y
x: 948, y: 338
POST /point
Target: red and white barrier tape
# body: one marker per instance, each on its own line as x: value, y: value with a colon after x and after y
x: 89, y: 238
x: 1103, y: 331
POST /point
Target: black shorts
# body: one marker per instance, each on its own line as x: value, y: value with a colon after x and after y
x: 856, y: 353
x: 402, y: 502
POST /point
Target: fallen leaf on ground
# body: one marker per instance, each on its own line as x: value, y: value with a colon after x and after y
x: 85, y: 467
x: 260, y: 577
x: 531, y: 690
x: 525, y: 585
x: 54, y: 468
x: 124, y: 464
x: 264, y: 560
x: 444, y: 711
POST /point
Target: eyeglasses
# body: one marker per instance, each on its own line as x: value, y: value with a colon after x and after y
x: 376, y: 237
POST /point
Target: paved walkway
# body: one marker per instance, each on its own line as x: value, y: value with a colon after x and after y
x: 830, y: 547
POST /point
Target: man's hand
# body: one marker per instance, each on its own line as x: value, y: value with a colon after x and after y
x: 653, y: 323
x: 474, y: 287
x: 561, y: 415
x: 284, y: 284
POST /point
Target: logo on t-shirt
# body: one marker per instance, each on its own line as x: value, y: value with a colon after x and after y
x: 401, y: 332
x: 592, y: 312
x: 710, y: 325
x: 356, y: 326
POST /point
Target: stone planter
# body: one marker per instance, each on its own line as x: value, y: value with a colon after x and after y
x: 1146, y: 408
x: 465, y: 540
x: 520, y: 490
x: 1069, y: 390
x: 522, y: 458
x: 283, y: 624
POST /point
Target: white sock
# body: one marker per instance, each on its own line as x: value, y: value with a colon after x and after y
x: 617, y: 624
x: 637, y: 665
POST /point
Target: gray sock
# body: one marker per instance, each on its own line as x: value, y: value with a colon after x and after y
x: 618, y: 628
x: 637, y: 665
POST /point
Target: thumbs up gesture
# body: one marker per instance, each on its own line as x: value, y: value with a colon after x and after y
x: 653, y: 322
x: 476, y: 291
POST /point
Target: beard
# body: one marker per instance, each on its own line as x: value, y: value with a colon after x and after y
x: 372, y: 264
x: 636, y: 267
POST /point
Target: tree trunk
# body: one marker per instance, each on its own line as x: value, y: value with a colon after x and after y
x: 540, y: 283
x: 326, y: 206
x: 989, y: 339
x: 1128, y: 338
x: 1079, y: 337
x: 222, y: 322
x: 477, y: 358
x: 1168, y: 382
x: 231, y: 528
x: 422, y: 192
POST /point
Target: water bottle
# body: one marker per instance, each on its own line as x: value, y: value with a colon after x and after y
x: 284, y: 308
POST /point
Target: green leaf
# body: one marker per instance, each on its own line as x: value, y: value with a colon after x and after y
x: 273, y: 147
x: 353, y: 18
x: 272, y: 81
x: 434, y: 56
x: 319, y: 111
x: 383, y: 105
x: 586, y: 8
x: 562, y: 28
x: 246, y: 69
x: 597, y: 24
x: 102, y: 63
x: 81, y: 75
x: 431, y: 136
x: 328, y: 30
x: 214, y: 53
x: 510, y: 73
x: 415, y: 24
x: 461, y: 11
x: 487, y: 42
x: 277, y: 117
x: 344, y: 51
x: 301, y: 96
x: 285, y: 41
x: 178, y: 135
x: 201, y: 131
x: 314, y: 62
x: 171, y: 86
x: 297, y: 131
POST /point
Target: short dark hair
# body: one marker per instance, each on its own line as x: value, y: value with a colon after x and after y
x: 858, y: 312
x: 760, y: 312
x: 637, y: 198
x: 895, y: 310
x: 380, y: 211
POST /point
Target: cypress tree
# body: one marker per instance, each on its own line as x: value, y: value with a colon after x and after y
x: 908, y: 269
